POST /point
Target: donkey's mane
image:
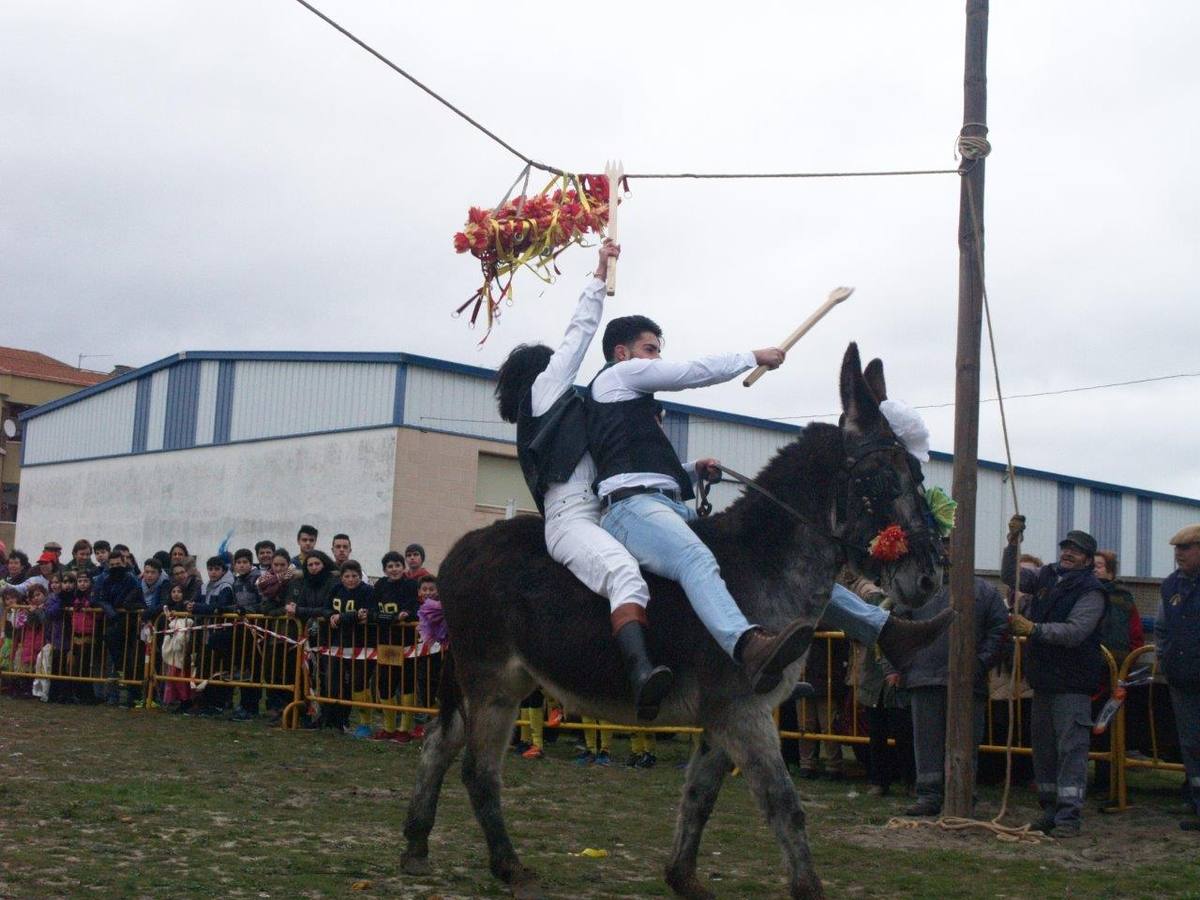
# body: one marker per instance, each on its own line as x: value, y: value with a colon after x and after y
x: 801, y: 474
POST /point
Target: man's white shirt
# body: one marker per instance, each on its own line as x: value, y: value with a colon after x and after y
x: 559, y: 377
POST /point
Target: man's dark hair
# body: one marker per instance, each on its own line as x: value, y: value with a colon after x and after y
x: 120, y: 548
x: 353, y: 565
x: 262, y: 544
x: 306, y: 529
x: 217, y: 562
x: 415, y: 548
x: 153, y: 563
x: 101, y: 545
x: 81, y: 544
x: 624, y: 330
x: 341, y: 537
x: 427, y: 579
x: 392, y: 556
x: 164, y: 559
x: 243, y: 553
x: 516, y: 375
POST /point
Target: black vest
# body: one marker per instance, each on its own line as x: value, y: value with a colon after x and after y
x: 1062, y: 670
x: 625, y: 437
x: 550, y: 446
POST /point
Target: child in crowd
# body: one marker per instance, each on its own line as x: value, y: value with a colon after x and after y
x: 86, y: 658
x: 431, y: 625
x: 176, y: 652
x: 247, y: 663
x: 597, y: 745
x: 28, y: 634
x: 642, y: 745
x: 349, y: 676
x: 396, y: 610
x: 414, y: 558
x: 57, y: 634
x: 531, y: 744
x: 279, y: 656
x: 101, y: 550
x: 215, y: 657
x: 264, y: 552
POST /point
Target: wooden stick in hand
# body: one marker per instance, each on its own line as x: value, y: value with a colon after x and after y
x: 836, y: 296
x: 614, y: 172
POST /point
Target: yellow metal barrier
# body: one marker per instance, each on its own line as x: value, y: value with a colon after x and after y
x: 77, y: 653
x: 1120, y: 726
x: 253, y: 653
x: 355, y: 668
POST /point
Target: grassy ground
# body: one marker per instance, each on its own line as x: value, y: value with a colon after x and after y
x: 114, y: 803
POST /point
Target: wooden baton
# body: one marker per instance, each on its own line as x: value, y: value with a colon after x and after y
x: 836, y: 296
x: 614, y: 172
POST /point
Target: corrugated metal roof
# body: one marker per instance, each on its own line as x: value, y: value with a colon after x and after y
x: 489, y: 425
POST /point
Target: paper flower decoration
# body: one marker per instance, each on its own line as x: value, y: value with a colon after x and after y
x: 529, y: 231
x: 942, y: 508
x: 889, y: 545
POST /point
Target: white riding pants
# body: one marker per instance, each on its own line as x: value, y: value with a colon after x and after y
x: 575, y: 539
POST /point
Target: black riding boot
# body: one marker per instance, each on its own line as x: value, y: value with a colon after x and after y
x: 650, y: 683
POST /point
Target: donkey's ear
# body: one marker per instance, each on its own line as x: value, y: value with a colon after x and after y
x: 874, y: 375
x: 859, y: 405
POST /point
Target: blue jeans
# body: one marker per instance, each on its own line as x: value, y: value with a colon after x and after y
x: 654, y: 530
x: 860, y: 620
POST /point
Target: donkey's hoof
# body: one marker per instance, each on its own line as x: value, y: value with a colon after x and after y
x: 525, y: 886
x: 414, y: 865
x: 689, y: 886
x: 808, y: 889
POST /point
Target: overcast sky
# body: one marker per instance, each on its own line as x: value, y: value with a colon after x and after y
x: 232, y: 175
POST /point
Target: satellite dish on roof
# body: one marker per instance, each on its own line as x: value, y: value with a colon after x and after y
x: 10, y: 428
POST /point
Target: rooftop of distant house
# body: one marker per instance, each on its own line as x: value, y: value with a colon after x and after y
x: 31, y: 364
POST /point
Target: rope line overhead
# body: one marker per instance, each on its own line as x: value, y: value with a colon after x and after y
x: 554, y: 170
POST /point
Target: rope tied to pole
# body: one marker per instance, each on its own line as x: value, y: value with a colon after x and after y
x: 972, y: 146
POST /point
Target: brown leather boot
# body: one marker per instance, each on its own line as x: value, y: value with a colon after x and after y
x: 764, y: 654
x: 900, y: 639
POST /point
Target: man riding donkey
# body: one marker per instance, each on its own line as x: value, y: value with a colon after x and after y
x: 612, y: 491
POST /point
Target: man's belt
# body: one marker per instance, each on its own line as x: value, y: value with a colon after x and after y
x: 624, y: 493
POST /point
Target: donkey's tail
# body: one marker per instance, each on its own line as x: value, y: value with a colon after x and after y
x: 449, y: 694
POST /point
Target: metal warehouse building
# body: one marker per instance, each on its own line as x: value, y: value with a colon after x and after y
x: 393, y: 448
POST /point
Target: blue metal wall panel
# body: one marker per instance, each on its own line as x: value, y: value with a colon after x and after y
x: 141, y: 414
x: 1106, y: 519
x: 398, y: 398
x: 676, y: 427
x: 225, y: 375
x: 183, y: 397
x: 1145, y: 536
x: 1066, y: 508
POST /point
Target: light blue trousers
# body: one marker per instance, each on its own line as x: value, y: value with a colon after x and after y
x: 654, y: 530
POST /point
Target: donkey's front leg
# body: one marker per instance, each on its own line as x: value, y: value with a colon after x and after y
x: 442, y: 744
x: 488, y: 730
x: 754, y: 746
x: 706, y: 772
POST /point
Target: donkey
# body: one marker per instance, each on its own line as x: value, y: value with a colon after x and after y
x: 517, y: 619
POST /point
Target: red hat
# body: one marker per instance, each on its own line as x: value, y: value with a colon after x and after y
x: 47, y: 557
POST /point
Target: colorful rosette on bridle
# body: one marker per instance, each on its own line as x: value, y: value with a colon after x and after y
x: 529, y: 231
x: 889, y: 545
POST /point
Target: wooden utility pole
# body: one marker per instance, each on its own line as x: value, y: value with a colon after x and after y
x: 960, y: 737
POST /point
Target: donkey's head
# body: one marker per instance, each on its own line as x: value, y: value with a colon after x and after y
x: 889, y: 533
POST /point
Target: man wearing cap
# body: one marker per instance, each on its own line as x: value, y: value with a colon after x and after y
x: 1177, y: 639
x: 1064, y: 665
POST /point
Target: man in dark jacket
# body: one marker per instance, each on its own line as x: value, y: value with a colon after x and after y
x: 926, y: 679
x: 1177, y: 638
x: 119, y: 594
x: 1064, y: 666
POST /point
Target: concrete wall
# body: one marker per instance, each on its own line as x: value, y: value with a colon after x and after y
x: 337, y: 482
x: 435, y: 490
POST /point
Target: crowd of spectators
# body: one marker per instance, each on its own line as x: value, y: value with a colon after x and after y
x: 55, y: 611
